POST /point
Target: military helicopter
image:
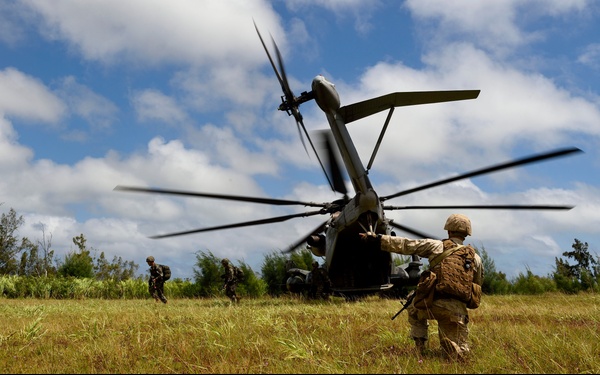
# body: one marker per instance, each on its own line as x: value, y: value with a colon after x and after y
x: 354, y: 268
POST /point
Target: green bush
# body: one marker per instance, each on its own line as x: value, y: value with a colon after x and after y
x: 532, y: 284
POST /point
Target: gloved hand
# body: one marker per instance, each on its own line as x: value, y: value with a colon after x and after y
x: 370, y: 237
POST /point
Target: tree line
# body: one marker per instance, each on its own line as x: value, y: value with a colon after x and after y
x: 30, y: 269
x: 23, y: 257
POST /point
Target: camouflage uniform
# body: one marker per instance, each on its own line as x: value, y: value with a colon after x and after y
x: 156, y: 283
x: 320, y: 284
x: 451, y: 314
x: 230, y: 281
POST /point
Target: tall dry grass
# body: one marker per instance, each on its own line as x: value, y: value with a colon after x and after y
x: 552, y: 333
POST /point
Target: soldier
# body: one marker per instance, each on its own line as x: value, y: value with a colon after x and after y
x: 320, y: 284
x: 156, y: 283
x: 230, y: 280
x: 451, y: 314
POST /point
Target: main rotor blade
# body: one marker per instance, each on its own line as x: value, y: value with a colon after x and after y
x: 515, y: 163
x: 301, y: 123
x: 411, y: 231
x: 298, y: 122
x: 242, y: 224
x: 486, y: 207
x: 318, y: 229
x: 279, y: 202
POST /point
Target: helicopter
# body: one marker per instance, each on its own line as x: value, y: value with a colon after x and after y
x: 354, y: 268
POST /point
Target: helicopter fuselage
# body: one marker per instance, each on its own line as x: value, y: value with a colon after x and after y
x: 350, y: 264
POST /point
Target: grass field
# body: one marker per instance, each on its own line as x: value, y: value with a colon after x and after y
x: 552, y: 333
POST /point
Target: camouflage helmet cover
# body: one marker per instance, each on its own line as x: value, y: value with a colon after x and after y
x: 458, y: 223
x: 150, y: 259
x: 225, y: 261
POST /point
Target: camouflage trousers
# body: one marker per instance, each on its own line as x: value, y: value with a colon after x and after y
x: 452, y: 329
x: 230, y: 292
x: 157, y: 291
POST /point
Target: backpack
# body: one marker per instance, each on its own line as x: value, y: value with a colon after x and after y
x: 238, y: 273
x: 455, y: 270
x: 166, y: 272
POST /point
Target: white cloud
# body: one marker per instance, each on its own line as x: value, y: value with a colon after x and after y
x: 153, y: 105
x: 13, y: 156
x: 591, y: 56
x: 96, y: 110
x: 494, y: 25
x: 152, y: 31
x: 28, y: 98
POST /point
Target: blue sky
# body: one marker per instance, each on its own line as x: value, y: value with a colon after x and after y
x: 181, y: 95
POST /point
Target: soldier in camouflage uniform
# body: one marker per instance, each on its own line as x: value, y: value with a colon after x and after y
x: 230, y: 281
x: 451, y: 314
x: 156, y: 282
x: 320, y: 284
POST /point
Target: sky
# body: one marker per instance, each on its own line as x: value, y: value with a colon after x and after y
x: 180, y: 95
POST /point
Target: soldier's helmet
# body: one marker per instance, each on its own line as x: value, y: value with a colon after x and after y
x: 458, y: 223
x: 150, y: 259
x: 225, y: 261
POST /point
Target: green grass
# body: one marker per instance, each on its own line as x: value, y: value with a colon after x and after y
x: 551, y: 333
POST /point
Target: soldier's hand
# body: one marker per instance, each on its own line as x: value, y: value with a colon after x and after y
x: 369, y: 237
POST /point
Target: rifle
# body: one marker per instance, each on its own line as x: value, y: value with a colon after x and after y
x: 409, y: 299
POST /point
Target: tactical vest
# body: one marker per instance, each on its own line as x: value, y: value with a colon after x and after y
x: 454, y: 270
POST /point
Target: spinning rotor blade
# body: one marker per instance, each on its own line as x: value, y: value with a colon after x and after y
x: 515, y: 163
x: 489, y: 207
x: 316, y: 154
x: 318, y: 229
x: 291, y: 103
x: 279, y: 202
x: 411, y: 230
x: 334, y: 166
x: 285, y: 86
x: 242, y: 224
x: 270, y: 59
x: 290, y: 100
